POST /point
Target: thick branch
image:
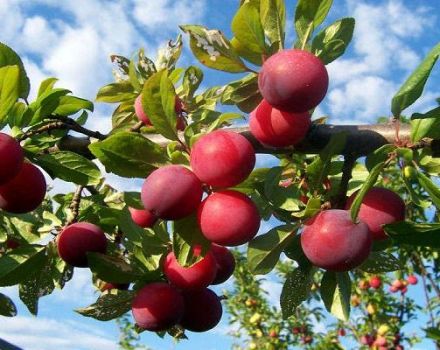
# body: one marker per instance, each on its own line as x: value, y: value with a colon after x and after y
x: 361, y: 140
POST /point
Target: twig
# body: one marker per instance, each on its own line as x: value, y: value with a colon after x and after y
x: 428, y: 301
x: 74, y: 205
x: 43, y: 129
x: 341, y: 197
x: 137, y: 127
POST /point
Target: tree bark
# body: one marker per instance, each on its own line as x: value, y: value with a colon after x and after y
x: 361, y: 140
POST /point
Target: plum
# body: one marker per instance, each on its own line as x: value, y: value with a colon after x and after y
x: 293, y: 80
x: 142, y: 217
x: 332, y: 241
x: 203, y: 310
x: 171, y: 192
x: 228, y: 218
x: 222, y: 158
x: 379, y: 206
x: 77, y: 239
x: 11, y: 158
x: 25, y: 192
x: 198, y: 276
x: 276, y: 128
x: 225, y: 262
x: 157, y: 307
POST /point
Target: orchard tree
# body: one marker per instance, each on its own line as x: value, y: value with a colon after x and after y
x: 356, y: 206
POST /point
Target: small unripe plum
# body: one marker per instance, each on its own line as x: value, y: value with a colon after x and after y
x: 276, y: 128
x: 142, y: 217
x: 198, y: 276
x: 363, y: 285
x: 367, y: 340
x: 380, y: 341
x: 76, y: 240
x: 12, y: 243
x: 203, y: 310
x: 142, y: 116
x: 25, y: 192
x: 11, y: 158
x: 171, y: 192
x: 393, y: 289
x: 404, y: 290
x: 332, y: 241
x: 342, y: 332
x: 273, y: 333
x: 412, y: 279
x: 222, y: 158
x: 380, y: 206
x: 398, y: 284
x: 225, y: 262
x: 228, y: 218
x: 375, y: 282
x: 293, y: 80
x: 157, y: 307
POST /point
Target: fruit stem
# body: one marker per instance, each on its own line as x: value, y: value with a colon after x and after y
x: 74, y: 205
x: 338, y: 201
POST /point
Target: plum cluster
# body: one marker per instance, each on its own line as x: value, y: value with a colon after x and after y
x: 292, y: 82
x: 22, y: 184
x: 332, y: 241
x: 218, y: 161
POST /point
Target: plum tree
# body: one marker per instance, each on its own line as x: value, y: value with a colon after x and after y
x: 222, y: 158
x: 276, y: 128
x: 11, y: 158
x: 203, y: 310
x: 78, y: 239
x: 332, y: 241
x: 228, y: 218
x: 380, y: 206
x: 157, y: 307
x: 142, y: 217
x: 200, y: 275
x: 225, y: 262
x: 293, y: 80
x: 181, y: 201
x: 25, y: 192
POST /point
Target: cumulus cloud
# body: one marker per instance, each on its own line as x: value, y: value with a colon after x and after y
x: 32, y: 333
x: 362, y: 86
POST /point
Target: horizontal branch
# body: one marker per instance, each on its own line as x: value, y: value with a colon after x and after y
x: 361, y: 140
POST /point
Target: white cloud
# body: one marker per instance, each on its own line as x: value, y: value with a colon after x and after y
x: 35, y: 31
x: 45, y: 334
x: 160, y: 15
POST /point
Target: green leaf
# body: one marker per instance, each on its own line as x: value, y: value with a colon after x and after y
x: 380, y: 262
x: 112, y: 269
x: 223, y: 120
x: 309, y: 15
x: 20, y: 264
x: 213, y: 50
x: 46, y: 85
x: 71, y: 105
x: 7, y: 306
x: 332, y: 41
x: 158, y: 101
x: 413, y: 87
x: 433, y: 333
x: 281, y: 197
x: 110, y: 305
x: 379, y: 155
x: 248, y: 29
x: 335, y: 293
x: 296, y: 289
x: 46, y: 104
x: 9, y: 57
x: 20, y: 115
x: 369, y: 182
x: 116, y: 92
x: 251, y: 56
x: 145, y: 66
x: 9, y: 89
x: 70, y: 167
x: 421, y: 235
x: 273, y: 19
x: 320, y: 167
x: 264, y: 251
x: 129, y: 154
x: 430, y: 187
x: 187, y: 234
x: 37, y: 285
x: 192, y: 79
x: 244, y: 93
x: 425, y: 125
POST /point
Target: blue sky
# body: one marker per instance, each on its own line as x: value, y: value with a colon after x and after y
x: 72, y: 40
